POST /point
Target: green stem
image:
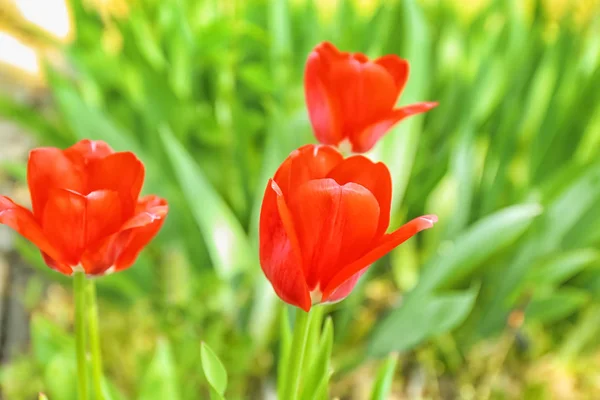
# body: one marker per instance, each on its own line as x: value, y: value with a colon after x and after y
x: 292, y: 384
x: 79, y: 294
x: 94, y: 338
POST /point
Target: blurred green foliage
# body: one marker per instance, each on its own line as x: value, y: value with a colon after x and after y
x: 209, y: 95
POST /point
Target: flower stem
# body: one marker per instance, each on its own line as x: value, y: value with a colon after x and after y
x: 79, y: 294
x: 94, y: 338
x: 292, y: 384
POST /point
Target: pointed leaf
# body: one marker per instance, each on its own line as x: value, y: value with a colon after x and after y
x: 213, y: 368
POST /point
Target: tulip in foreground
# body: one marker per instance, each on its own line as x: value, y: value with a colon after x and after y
x: 351, y: 98
x: 86, y: 212
x: 323, y: 222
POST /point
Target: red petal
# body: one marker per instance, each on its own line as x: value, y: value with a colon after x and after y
x: 342, y: 291
x: 397, y: 68
x: 121, y: 172
x: 57, y: 265
x: 87, y: 150
x: 150, y: 216
x: 387, y: 244
x: 335, y: 225
x: 280, y: 258
x: 329, y: 53
x: 22, y: 220
x: 48, y: 169
x: 365, y: 140
x: 321, y: 102
x: 366, y: 93
x: 100, y: 257
x: 306, y: 163
x: 96, y: 260
x: 373, y: 176
x: 102, y: 215
x: 64, y: 223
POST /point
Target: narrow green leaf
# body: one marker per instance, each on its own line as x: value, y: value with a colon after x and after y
x: 585, y: 330
x: 312, y: 341
x: 318, y: 373
x: 421, y: 317
x: 160, y: 380
x: 60, y: 376
x: 89, y: 123
x: 285, y: 343
x: 562, y: 214
x: 563, y: 266
x: 555, y: 306
x: 215, y: 372
x: 385, y: 376
x: 223, y: 234
x: 476, y: 244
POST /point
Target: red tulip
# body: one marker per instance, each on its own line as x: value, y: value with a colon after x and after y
x: 86, y: 212
x: 351, y: 98
x: 323, y: 222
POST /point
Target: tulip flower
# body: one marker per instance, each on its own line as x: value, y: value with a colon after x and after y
x: 323, y: 222
x: 86, y: 212
x: 351, y: 98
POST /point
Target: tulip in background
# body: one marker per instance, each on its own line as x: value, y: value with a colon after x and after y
x: 87, y: 219
x: 351, y: 98
x: 323, y: 222
x: 86, y: 212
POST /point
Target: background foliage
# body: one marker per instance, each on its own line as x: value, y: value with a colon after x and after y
x: 500, y: 300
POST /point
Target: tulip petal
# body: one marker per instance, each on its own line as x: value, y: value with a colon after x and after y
x: 366, y: 139
x: 329, y: 54
x: 57, y: 265
x: 280, y: 257
x: 366, y: 92
x: 121, y: 172
x: 102, y: 215
x: 49, y: 168
x: 373, y: 176
x: 306, y: 163
x: 342, y: 291
x: 64, y: 223
x: 150, y: 215
x: 335, y: 225
x: 387, y: 244
x: 397, y: 67
x: 88, y: 150
x: 323, y: 108
x: 22, y: 220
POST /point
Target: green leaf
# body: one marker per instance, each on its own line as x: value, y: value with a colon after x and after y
x: 562, y: 214
x: 224, y: 236
x: 475, y: 245
x: 60, y: 376
x: 319, y: 372
x: 285, y: 343
x: 385, y: 377
x: 160, y: 380
x: 563, y: 266
x: 584, y: 331
x: 556, y: 306
x: 48, y: 339
x: 89, y: 123
x: 421, y: 317
x: 213, y: 368
x: 313, y: 339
